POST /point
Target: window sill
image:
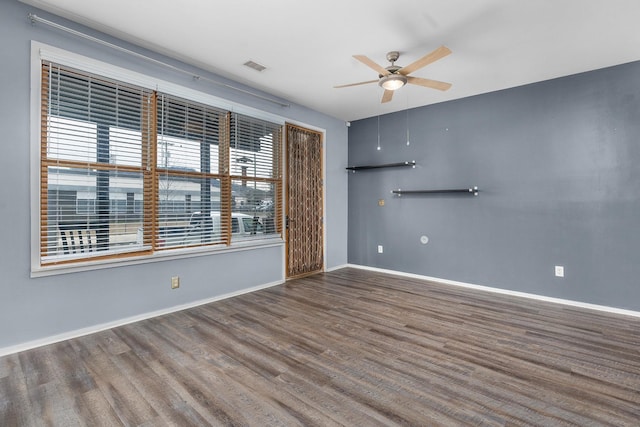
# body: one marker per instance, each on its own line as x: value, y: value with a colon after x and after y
x: 167, y: 255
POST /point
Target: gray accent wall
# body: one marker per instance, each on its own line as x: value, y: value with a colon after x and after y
x: 36, y: 309
x: 557, y: 165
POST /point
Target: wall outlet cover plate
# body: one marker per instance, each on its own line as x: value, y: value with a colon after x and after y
x: 175, y: 282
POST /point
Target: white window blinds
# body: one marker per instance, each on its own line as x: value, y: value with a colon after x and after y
x: 95, y: 151
x: 255, y: 169
x: 192, y: 174
x: 126, y: 170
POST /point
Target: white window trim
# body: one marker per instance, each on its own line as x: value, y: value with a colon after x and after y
x: 40, y: 52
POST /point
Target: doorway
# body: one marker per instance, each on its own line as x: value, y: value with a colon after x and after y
x: 304, y: 202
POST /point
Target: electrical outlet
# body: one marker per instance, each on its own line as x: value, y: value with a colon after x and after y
x: 559, y: 271
x: 380, y: 249
x: 175, y: 282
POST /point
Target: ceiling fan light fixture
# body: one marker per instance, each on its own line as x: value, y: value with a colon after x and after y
x: 392, y: 81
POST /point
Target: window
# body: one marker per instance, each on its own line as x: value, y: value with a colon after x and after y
x: 255, y: 174
x: 133, y: 167
x: 95, y: 146
x: 192, y: 142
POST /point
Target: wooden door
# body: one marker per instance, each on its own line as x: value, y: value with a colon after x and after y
x: 304, y: 202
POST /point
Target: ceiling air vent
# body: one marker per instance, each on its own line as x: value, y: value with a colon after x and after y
x: 255, y: 66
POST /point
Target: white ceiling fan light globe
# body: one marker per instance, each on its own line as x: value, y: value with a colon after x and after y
x: 392, y: 81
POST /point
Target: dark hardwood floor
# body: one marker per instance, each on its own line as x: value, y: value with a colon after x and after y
x: 349, y: 348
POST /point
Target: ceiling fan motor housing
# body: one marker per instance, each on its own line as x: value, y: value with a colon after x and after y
x: 392, y: 69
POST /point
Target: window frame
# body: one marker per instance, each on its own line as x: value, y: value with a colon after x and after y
x: 41, y: 52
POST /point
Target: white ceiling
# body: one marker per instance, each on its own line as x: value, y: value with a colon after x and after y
x: 307, y: 46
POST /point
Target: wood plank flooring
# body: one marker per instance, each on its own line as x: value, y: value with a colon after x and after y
x: 350, y: 347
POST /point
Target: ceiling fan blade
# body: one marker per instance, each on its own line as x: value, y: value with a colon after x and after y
x: 433, y: 84
x: 386, y: 96
x: 429, y: 58
x: 356, y: 84
x: 369, y: 63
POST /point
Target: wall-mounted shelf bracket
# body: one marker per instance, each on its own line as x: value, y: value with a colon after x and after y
x: 471, y: 191
x: 412, y: 164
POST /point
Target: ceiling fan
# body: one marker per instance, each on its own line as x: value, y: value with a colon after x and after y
x: 394, y: 77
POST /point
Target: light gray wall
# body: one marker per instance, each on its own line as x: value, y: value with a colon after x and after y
x: 557, y: 166
x: 34, y: 309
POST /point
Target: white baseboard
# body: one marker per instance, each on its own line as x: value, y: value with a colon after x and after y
x: 120, y: 322
x: 338, y: 267
x: 104, y: 326
x: 572, y: 303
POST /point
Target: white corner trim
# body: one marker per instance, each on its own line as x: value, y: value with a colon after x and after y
x: 4, y: 351
x: 561, y: 301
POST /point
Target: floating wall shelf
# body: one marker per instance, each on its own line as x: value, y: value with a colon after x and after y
x: 388, y: 165
x: 471, y: 191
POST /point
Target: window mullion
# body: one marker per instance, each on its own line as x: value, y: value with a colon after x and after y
x: 225, y: 180
x: 149, y: 161
x: 44, y: 176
